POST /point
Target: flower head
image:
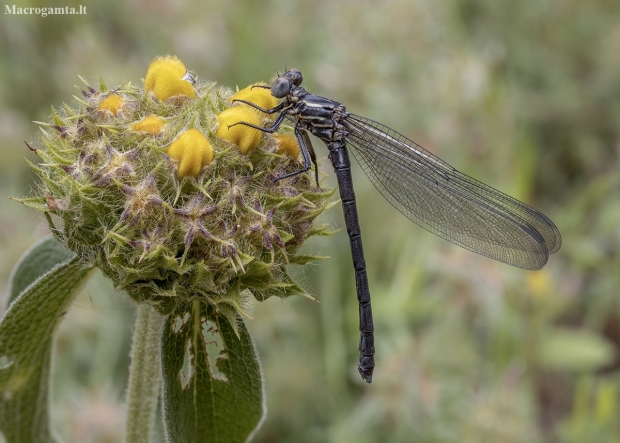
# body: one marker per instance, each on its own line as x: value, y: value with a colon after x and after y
x: 112, y: 194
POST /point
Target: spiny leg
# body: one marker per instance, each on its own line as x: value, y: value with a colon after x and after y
x: 271, y: 129
x: 310, y: 149
x: 307, y: 150
x: 302, y: 137
x: 273, y: 110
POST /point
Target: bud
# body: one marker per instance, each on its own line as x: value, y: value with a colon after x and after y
x: 192, y: 151
x: 167, y: 77
x: 150, y: 124
x: 112, y: 103
x: 287, y: 145
x: 258, y: 95
x: 244, y: 137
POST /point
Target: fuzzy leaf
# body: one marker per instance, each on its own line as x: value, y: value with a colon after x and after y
x: 144, y: 376
x: 257, y: 275
x: 56, y: 118
x: 215, y: 399
x: 321, y: 196
x: 39, y: 259
x: 322, y: 231
x: 302, y: 259
x: 285, y: 288
x: 282, y: 202
x: 36, y: 203
x: 48, y: 284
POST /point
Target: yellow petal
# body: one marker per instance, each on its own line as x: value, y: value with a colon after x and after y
x: 287, y: 145
x: 259, y: 96
x: 164, y: 78
x: 112, y: 103
x: 243, y: 136
x: 151, y: 124
x: 192, y: 151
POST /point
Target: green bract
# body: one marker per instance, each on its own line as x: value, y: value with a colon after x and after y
x: 112, y: 195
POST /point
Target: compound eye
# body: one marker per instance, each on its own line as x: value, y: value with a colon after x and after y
x: 281, y: 87
x: 295, y: 76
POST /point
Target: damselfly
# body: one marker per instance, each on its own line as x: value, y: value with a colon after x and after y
x: 423, y: 187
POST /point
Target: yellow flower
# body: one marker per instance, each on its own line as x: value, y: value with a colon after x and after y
x: 243, y: 136
x: 287, y: 145
x: 151, y: 124
x: 192, y: 151
x: 259, y: 96
x: 112, y: 103
x: 165, y: 78
x: 539, y: 283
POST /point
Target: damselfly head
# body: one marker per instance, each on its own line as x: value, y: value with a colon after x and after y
x: 282, y: 85
x: 295, y: 76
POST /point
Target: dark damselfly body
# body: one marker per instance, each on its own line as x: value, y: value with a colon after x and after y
x: 423, y: 187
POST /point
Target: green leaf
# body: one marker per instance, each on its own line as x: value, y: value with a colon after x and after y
x: 322, y: 231
x: 36, y: 203
x: 304, y: 259
x: 144, y: 376
x: 39, y: 259
x: 215, y: 393
x: 45, y: 284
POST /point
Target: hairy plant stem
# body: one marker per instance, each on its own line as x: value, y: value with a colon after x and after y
x: 144, y: 376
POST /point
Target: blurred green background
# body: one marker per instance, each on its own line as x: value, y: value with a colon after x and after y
x: 523, y: 95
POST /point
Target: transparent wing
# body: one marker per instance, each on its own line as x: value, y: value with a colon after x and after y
x: 448, y: 203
